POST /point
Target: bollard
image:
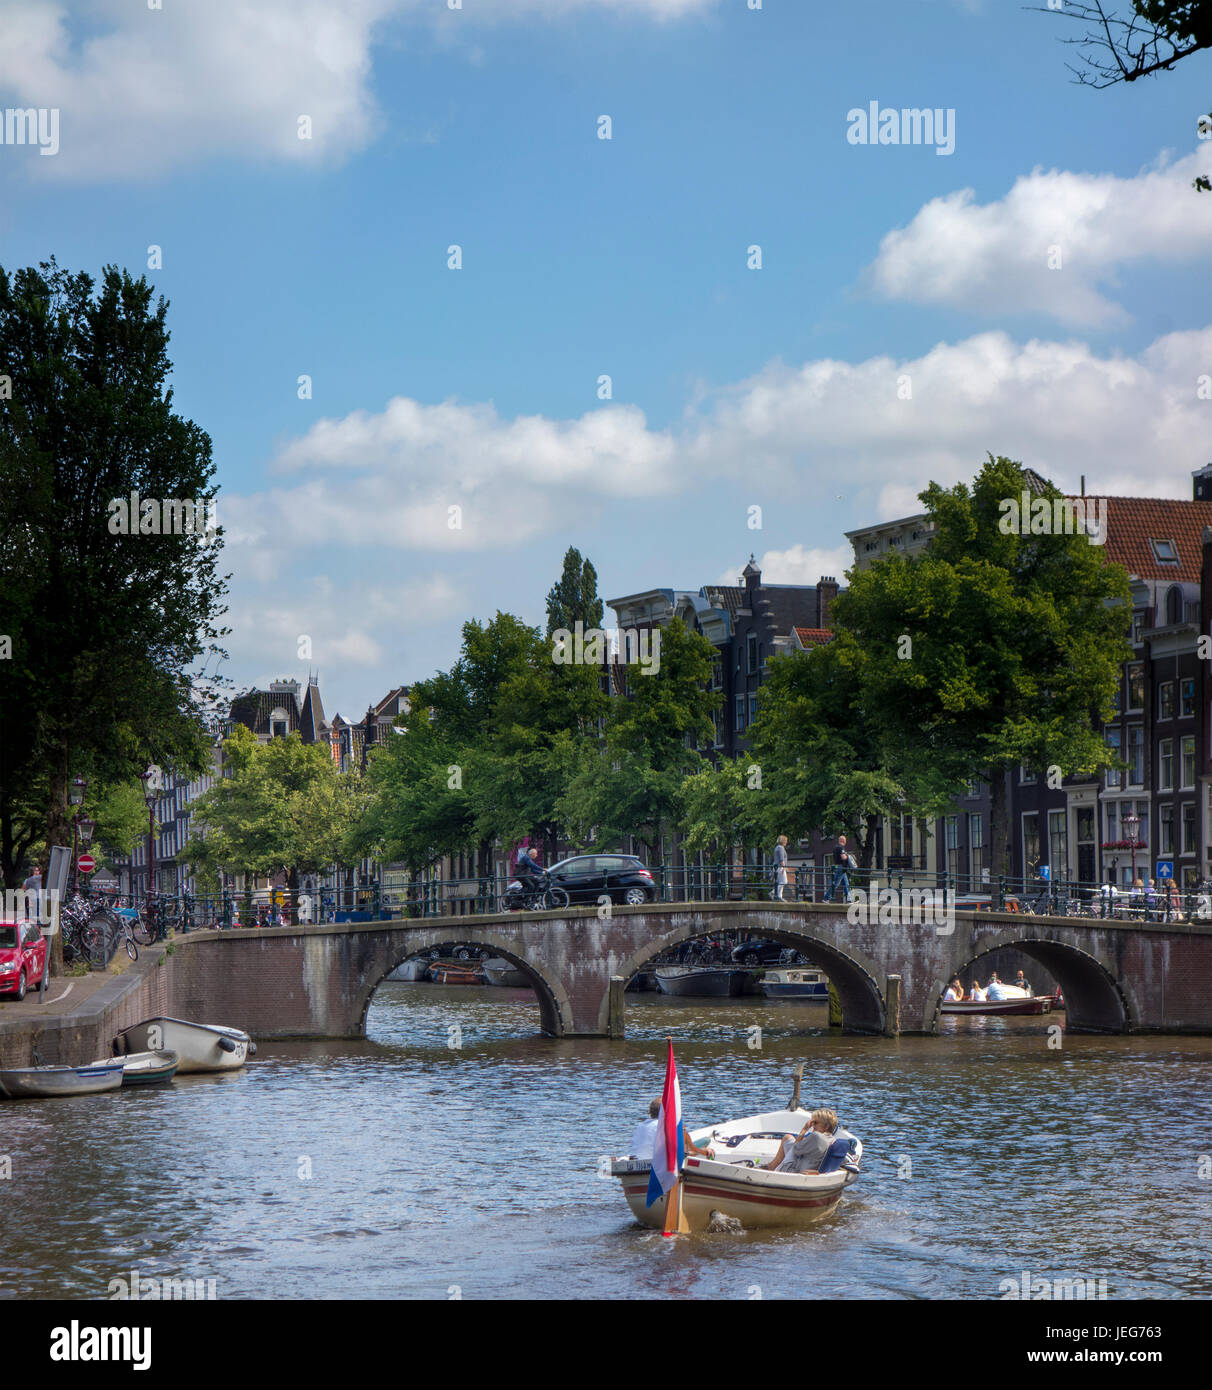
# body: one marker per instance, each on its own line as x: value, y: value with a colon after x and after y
x: 615, y: 1026
x: 892, y: 993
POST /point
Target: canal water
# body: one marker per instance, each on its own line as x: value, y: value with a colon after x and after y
x: 456, y: 1153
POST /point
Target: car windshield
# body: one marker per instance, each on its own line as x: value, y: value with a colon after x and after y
x: 8, y: 936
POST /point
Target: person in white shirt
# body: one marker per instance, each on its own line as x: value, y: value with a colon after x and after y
x: 995, y: 989
x: 643, y: 1138
x: 952, y: 996
x: 976, y: 995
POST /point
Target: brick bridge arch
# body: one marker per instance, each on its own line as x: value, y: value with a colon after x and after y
x: 318, y: 981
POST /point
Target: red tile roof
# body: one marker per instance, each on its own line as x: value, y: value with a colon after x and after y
x: 1132, y: 522
x: 815, y: 636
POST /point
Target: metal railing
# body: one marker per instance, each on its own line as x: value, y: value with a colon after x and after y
x: 456, y: 897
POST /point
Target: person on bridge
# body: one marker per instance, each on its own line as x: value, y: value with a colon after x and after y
x: 780, y: 867
x: 841, y: 862
x: 529, y: 866
x: 643, y: 1137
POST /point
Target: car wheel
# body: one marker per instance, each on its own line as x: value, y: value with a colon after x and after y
x: 463, y: 953
x: 20, y: 987
x: 635, y: 897
x: 750, y: 958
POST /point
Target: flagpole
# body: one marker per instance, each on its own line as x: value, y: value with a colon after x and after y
x: 675, y: 1222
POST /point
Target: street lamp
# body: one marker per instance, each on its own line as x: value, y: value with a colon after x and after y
x: 151, y: 789
x: 1131, y: 824
x: 75, y: 796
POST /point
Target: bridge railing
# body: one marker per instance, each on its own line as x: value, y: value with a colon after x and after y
x: 456, y: 897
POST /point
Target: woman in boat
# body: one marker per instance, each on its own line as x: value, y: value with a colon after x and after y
x: 803, y: 1153
x: 976, y: 995
x: 954, y: 993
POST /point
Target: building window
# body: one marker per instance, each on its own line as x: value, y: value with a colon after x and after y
x: 1174, y: 606
x: 1136, y: 756
x: 717, y: 674
x: 1186, y: 701
x: 1136, y: 685
x: 753, y: 699
x: 1058, y: 845
x: 740, y: 713
x: 1188, y: 813
x: 952, y: 845
x: 976, y: 846
x: 1165, y: 765
x: 1165, y: 830
x: 1165, y: 700
x: 1114, y: 774
x: 1030, y: 843
x: 751, y: 652
x: 1138, y: 626
x: 1165, y: 552
x: 1025, y: 775
x: 1187, y: 743
x: 974, y: 786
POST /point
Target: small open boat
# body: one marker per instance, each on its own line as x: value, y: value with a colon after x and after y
x: 734, y: 1184
x: 445, y: 972
x: 27, y: 1083
x: 500, y: 972
x: 792, y: 983
x: 702, y: 981
x: 1017, y: 1003
x: 199, y: 1046
x: 147, y: 1068
x: 410, y: 969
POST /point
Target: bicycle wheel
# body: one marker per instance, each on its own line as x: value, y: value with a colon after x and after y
x: 143, y: 931
x: 557, y: 897
x: 131, y: 949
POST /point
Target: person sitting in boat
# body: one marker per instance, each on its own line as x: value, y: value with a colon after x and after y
x: 843, y: 1146
x: 954, y: 993
x: 976, y: 995
x: 643, y: 1138
x: 804, y: 1152
x: 1020, y: 982
x: 995, y: 990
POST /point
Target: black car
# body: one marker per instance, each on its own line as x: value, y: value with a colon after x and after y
x: 763, y: 953
x: 588, y: 877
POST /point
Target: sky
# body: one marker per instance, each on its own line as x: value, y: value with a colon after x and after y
x: 732, y: 303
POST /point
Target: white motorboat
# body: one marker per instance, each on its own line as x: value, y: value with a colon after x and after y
x: 1013, y: 1001
x: 734, y: 1184
x: 199, y: 1046
x: 28, y: 1083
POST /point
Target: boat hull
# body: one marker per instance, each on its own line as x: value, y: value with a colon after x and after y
x: 456, y: 975
x: 410, y: 970
x: 1040, y: 1004
x: 41, y: 1083
x: 701, y: 982
x: 149, y: 1068
x: 200, y: 1047
x: 758, y: 1199
x: 504, y: 975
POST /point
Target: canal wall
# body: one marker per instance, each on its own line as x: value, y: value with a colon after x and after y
x: 74, y: 1035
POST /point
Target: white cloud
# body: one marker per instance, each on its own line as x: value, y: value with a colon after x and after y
x: 993, y: 258
x: 142, y: 91
x: 798, y: 564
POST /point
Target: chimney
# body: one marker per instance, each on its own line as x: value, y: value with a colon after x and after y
x: 826, y: 592
x: 1202, y: 480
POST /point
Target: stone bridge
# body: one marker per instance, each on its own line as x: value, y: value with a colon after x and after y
x: 1117, y: 977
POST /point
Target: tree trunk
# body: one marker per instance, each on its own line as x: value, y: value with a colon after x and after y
x: 292, y: 882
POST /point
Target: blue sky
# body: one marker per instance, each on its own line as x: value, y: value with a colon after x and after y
x: 478, y: 388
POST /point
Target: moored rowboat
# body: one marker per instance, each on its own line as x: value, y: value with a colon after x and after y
x: 28, y: 1083
x: 702, y: 981
x: 500, y: 972
x: 147, y: 1068
x: 446, y: 973
x: 199, y: 1046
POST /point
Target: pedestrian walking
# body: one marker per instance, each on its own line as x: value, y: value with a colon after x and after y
x: 842, y: 862
x: 780, y: 867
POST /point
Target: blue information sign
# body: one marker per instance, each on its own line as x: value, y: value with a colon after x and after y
x: 1165, y: 868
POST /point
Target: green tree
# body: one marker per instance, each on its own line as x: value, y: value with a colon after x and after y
x: 720, y: 809
x: 574, y: 597
x: 284, y: 807
x: 990, y: 648
x: 105, y: 627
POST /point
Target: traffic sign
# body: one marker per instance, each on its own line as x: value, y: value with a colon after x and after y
x: 1165, y: 868
x: 86, y: 863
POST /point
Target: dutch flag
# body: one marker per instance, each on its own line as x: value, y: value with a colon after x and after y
x: 668, y: 1151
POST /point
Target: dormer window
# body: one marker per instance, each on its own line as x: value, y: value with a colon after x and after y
x: 1164, y: 552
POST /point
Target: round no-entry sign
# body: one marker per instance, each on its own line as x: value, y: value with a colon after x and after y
x: 86, y: 863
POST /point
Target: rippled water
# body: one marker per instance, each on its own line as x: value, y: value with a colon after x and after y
x: 435, y: 1168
